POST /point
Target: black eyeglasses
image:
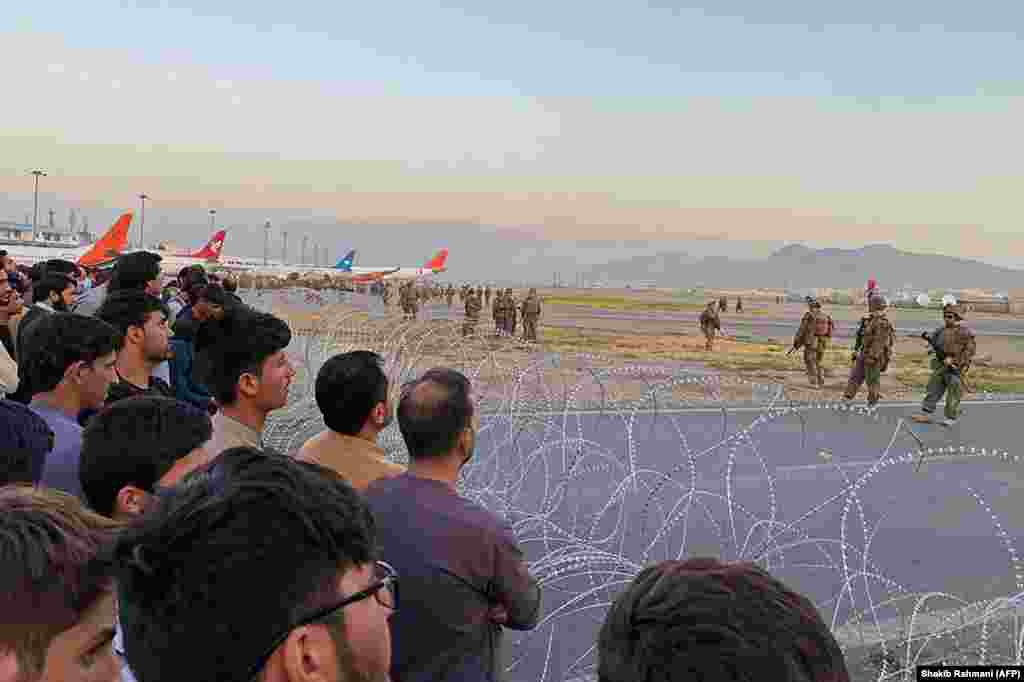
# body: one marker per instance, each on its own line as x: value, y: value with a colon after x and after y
x: 384, y: 588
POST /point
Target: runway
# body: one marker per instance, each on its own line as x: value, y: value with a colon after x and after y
x: 850, y: 509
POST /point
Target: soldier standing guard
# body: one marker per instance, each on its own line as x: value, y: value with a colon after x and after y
x: 723, y: 305
x: 958, y: 346
x: 813, y: 336
x: 875, y: 341
x: 473, y: 308
x: 531, y: 313
x: 709, y: 324
x: 449, y: 294
x: 511, y: 313
x: 498, y: 311
x: 739, y: 304
x: 487, y: 295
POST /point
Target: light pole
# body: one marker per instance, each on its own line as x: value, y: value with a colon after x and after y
x: 266, y: 243
x: 305, y: 238
x: 35, y: 200
x: 213, y: 212
x: 284, y: 248
x: 142, y: 221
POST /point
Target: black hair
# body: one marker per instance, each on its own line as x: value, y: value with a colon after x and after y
x: 26, y: 441
x: 433, y: 411
x: 61, y: 266
x: 134, y: 270
x: 348, y: 387
x: 701, y: 619
x: 62, y: 339
x: 51, y: 282
x: 213, y: 293
x: 186, y: 571
x: 136, y: 441
x: 129, y: 308
x: 36, y: 272
x: 238, y: 344
x: 230, y: 284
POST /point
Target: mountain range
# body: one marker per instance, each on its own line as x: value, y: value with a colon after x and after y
x: 798, y: 267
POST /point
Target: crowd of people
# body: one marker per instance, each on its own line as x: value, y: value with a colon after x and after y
x: 144, y: 524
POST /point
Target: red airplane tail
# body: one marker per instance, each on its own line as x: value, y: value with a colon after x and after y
x: 213, y: 247
x: 110, y: 245
x: 437, y: 262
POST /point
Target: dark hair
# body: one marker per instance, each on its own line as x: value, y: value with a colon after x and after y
x: 433, y: 410
x: 53, y: 569
x: 213, y: 293
x: 26, y: 440
x: 36, y: 272
x: 136, y: 441
x: 62, y: 339
x: 229, y: 283
x: 186, y: 571
x: 61, y: 266
x: 238, y: 344
x: 50, y: 283
x: 192, y: 279
x: 702, y: 619
x: 134, y: 270
x: 348, y: 387
x: 129, y: 308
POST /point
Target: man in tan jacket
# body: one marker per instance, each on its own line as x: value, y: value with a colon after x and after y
x: 352, y: 394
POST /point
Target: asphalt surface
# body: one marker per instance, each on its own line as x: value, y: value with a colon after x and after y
x: 591, y: 494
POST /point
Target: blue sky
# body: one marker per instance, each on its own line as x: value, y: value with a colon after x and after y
x: 789, y: 121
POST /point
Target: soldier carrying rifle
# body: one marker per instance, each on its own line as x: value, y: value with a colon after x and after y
x: 953, y: 347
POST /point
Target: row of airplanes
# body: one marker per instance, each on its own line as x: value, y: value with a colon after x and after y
x: 114, y: 243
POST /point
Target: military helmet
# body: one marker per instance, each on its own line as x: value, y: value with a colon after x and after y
x: 876, y: 303
x: 955, y: 309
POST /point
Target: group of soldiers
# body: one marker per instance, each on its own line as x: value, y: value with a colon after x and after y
x: 953, y: 348
x: 505, y: 309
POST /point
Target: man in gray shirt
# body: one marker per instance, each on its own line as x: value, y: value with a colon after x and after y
x: 463, y: 574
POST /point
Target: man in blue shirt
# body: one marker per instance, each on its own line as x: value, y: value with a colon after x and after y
x: 71, y: 365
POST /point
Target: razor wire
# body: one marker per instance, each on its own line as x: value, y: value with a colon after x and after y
x: 603, y: 468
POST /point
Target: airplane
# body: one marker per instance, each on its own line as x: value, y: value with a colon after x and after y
x: 434, y: 266
x: 343, y: 268
x: 209, y: 254
x: 102, y: 252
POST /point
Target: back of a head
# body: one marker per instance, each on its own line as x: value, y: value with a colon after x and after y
x: 433, y: 411
x: 186, y: 572
x: 61, y: 266
x: 135, y: 442
x: 62, y: 339
x: 704, y: 620
x: 135, y: 270
x: 348, y: 387
x: 238, y: 344
x: 25, y: 441
x: 52, y: 569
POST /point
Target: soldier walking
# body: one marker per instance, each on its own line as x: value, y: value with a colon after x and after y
x: 958, y: 346
x: 449, y: 294
x: 739, y: 304
x: 473, y: 308
x: 723, y: 305
x: 709, y: 324
x: 487, y: 295
x: 531, y: 313
x: 875, y: 341
x: 813, y: 336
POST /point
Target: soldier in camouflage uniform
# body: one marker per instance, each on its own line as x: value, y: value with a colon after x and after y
x: 473, y: 308
x: 498, y: 312
x: 412, y: 303
x: 875, y: 346
x: 449, y: 294
x: 958, y: 347
x: 487, y: 295
x: 739, y: 304
x: 511, y: 313
x: 531, y: 313
x: 709, y: 324
x: 813, y: 336
x: 723, y: 305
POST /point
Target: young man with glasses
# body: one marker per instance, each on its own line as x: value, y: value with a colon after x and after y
x: 958, y: 348
x: 254, y: 523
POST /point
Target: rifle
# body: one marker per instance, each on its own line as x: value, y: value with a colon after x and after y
x: 940, y: 355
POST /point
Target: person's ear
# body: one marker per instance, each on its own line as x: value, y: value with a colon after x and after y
x: 309, y: 655
x: 130, y: 500
x: 248, y: 385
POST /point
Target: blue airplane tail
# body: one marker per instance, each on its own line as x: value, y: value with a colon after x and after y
x: 346, y: 262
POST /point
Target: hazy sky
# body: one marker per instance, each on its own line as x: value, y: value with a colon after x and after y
x: 830, y: 123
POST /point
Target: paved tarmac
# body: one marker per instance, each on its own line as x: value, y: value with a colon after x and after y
x: 595, y: 497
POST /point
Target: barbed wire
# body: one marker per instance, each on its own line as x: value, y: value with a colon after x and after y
x: 602, y: 468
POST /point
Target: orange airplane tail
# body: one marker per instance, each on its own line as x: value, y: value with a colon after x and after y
x: 437, y: 262
x: 213, y: 247
x: 110, y: 245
